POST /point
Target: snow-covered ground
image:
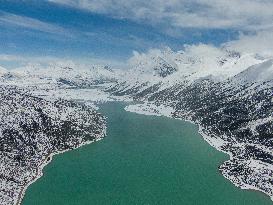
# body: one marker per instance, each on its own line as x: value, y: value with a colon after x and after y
x: 150, y: 109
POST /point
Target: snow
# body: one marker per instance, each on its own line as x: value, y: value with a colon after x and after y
x: 257, y: 73
x: 193, y: 63
x: 150, y: 109
x: 3, y: 71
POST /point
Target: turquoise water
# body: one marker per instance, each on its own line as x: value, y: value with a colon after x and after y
x: 144, y: 160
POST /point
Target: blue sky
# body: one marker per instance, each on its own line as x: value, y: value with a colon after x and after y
x: 111, y: 30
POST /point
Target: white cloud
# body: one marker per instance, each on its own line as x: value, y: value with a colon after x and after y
x: 30, y: 23
x: 25, y: 59
x: 171, y: 15
x: 239, y: 14
x: 260, y: 43
x: 15, y: 61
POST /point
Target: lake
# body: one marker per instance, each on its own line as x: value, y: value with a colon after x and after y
x: 144, y: 160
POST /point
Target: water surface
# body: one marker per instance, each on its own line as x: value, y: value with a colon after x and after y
x: 144, y: 160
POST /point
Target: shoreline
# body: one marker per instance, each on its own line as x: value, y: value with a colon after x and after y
x: 207, y: 138
x: 204, y: 136
x: 46, y: 162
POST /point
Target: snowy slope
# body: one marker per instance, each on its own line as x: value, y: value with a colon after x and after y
x: 261, y: 72
x: 32, y: 130
x: 2, y: 71
x: 195, y: 62
x: 65, y: 75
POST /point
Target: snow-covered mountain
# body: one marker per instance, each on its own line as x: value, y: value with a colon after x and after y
x: 54, y: 75
x: 34, y: 126
x: 227, y: 93
x: 195, y: 62
x: 32, y: 130
x: 154, y: 64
